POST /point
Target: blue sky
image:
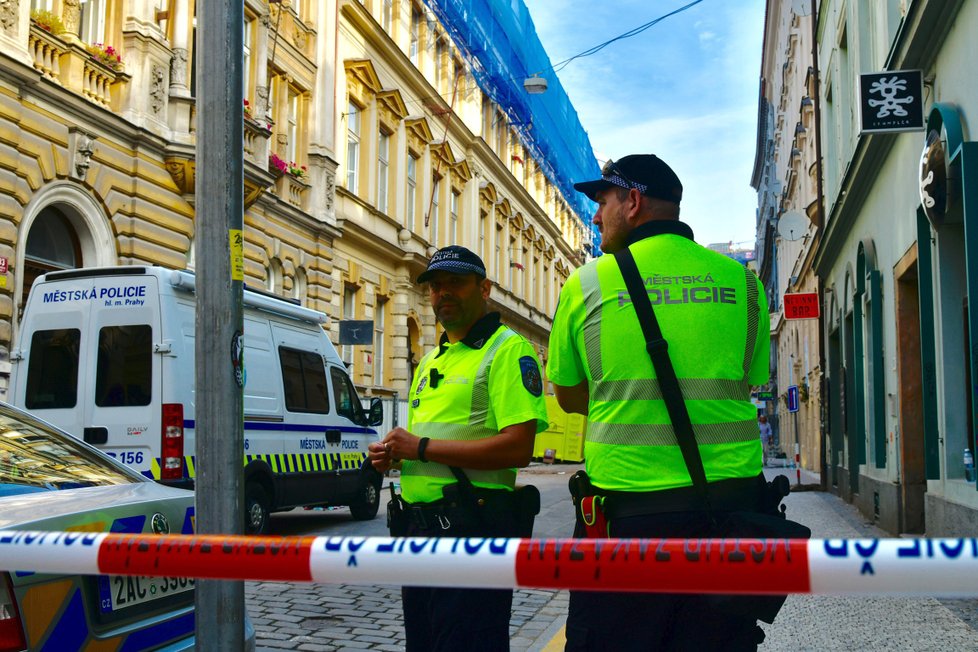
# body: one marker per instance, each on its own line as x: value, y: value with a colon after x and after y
x: 685, y: 89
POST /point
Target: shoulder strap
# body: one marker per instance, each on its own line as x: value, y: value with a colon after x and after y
x: 658, y: 350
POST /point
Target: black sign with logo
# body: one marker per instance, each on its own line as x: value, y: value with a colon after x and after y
x: 891, y: 101
x: 356, y: 331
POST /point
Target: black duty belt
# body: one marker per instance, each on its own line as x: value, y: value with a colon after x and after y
x: 427, y: 516
x: 729, y: 495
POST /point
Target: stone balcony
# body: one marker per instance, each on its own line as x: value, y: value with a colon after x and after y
x: 71, y: 66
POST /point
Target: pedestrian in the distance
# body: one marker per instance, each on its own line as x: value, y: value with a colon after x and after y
x: 766, y: 435
x: 476, y: 404
x: 713, y: 315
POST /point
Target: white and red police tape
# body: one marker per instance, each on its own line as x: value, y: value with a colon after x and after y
x: 936, y: 567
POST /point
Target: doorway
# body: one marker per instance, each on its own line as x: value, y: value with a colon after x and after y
x: 913, y: 480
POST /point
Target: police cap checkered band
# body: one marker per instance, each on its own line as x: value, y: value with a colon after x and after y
x: 645, y: 172
x: 454, y: 260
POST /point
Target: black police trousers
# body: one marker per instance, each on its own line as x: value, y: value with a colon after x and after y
x: 447, y: 619
x: 627, y: 622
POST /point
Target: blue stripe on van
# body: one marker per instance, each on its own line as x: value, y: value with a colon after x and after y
x: 296, y: 427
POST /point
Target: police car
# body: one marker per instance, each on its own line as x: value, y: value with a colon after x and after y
x: 51, y: 481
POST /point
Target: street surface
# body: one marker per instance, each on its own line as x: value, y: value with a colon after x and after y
x: 327, y: 617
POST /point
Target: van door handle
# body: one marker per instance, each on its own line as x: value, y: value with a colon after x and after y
x: 333, y: 436
x: 96, y: 436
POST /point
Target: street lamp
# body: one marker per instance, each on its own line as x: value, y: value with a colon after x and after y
x: 535, y: 85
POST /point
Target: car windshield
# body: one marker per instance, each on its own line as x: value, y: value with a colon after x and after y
x: 35, y: 458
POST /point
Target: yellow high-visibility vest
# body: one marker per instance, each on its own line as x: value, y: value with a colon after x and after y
x: 714, y: 315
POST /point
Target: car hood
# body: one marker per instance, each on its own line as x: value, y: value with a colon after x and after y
x: 98, y: 509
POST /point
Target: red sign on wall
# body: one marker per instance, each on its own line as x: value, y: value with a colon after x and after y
x: 801, y: 305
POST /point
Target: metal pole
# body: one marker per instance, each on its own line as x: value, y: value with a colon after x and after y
x: 219, y: 322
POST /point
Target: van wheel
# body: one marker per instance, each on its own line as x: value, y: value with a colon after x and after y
x: 366, y: 501
x: 257, y: 509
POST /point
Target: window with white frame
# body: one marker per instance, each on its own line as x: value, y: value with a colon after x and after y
x: 383, y: 169
x: 412, y: 190
x: 292, y: 147
x: 91, y: 21
x: 379, y: 342
x: 246, y: 64
x: 273, y: 280
x: 499, y: 252
x: 42, y: 5
x: 299, y: 285
x: 439, y: 60
x: 483, y: 218
x: 453, y: 219
x: 513, y: 262
x: 352, y: 146
x: 433, y: 215
x: 415, y: 34
x: 349, y: 312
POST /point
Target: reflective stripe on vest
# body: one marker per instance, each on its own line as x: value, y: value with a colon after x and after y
x: 474, y: 429
x: 662, y: 434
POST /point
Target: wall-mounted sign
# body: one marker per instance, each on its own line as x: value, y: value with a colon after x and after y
x: 792, y: 398
x: 765, y: 396
x: 891, y: 101
x: 801, y: 305
x: 356, y: 331
x: 940, y: 182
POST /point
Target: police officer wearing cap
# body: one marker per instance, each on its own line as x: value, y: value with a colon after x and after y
x: 476, y: 403
x: 713, y: 314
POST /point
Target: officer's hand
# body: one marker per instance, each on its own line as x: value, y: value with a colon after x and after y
x: 401, y: 445
x: 380, y: 457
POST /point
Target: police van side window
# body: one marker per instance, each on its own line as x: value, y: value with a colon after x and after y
x: 347, y: 401
x: 304, y: 378
x: 52, y: 371
x: 124, y: 366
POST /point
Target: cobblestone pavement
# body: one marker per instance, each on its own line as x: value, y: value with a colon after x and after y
x: 326, y: 617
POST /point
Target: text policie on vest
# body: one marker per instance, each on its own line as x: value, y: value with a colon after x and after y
x: 677, y: 295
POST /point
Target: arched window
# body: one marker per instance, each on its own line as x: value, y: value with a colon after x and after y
x: 52, y: 244
x: 273, y: 281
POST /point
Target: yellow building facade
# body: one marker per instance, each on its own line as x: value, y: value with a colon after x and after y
x: 366, y: 147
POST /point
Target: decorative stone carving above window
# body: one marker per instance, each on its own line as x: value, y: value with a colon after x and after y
x: 418, y: 133
x: 362, y: 82
x: 391, y: 107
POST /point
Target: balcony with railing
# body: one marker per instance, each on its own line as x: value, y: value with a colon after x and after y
x: 69, y: 64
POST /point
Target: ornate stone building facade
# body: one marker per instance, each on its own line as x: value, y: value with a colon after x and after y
x: 358, y: 163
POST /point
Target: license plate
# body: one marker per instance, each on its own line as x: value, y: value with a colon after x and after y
x: 122, y: 591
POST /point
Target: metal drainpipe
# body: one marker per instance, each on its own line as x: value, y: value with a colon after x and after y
x: 820, y: 217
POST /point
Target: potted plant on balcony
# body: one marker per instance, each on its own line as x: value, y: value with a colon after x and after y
x: 48, y: 21
x: 276, y: 165
x: 106, y: 55
x: 298, y: 171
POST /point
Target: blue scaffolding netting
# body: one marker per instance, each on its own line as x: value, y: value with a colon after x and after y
x: 502, y: 47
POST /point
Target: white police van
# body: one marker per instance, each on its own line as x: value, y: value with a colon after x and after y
x: 108, y: 355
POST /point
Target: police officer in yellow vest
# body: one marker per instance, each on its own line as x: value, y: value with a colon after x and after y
x: 476, y: 403
x: 713, y: 314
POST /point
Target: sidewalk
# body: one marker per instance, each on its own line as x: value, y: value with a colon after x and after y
x: 818, y: 623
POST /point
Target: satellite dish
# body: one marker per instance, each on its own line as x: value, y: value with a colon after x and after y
x: 792, y: 225
x: 801, y: 7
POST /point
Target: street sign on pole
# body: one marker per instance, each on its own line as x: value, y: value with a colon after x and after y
x: 792, y: 398
x: 765, y: 396
x: 801, y: 305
